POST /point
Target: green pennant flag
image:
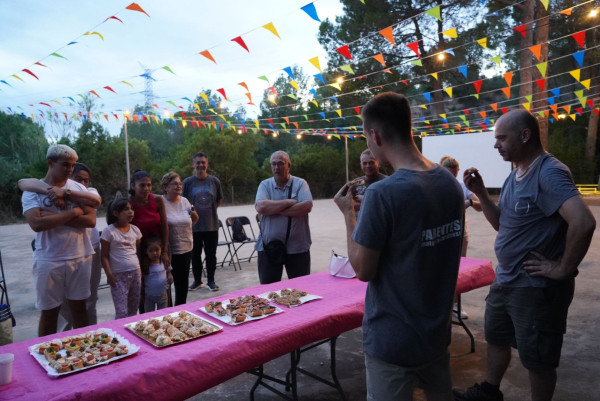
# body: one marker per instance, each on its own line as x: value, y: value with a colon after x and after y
x: 58, y: 55
x: 171, y: 102
x: 264, y: 78
x: 347, y: 68
x: 166, y: 68
x: 542, y: 67
x: 434, y: 12
x: 541, y: 114
x: 463, y: 117
x: 467, y: 123
x: 496, y: 60
x: 579, y: 93
x: 417, y: 62
x: 529, y: 97
x: 305, y: 116
x: 582, y: 100
x: 292, y: 96
x: 282, y: 125
x: 476, y: 96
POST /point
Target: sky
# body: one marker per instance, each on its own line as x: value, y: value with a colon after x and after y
x: 174, y: 35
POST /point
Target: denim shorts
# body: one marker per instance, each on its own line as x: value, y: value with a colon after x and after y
x: 533, y: 320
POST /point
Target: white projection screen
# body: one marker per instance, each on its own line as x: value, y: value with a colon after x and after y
x: 471, y: 150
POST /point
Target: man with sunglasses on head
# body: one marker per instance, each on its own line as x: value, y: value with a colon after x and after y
x: 284, y: 203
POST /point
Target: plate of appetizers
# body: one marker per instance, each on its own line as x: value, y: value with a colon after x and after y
x: 290, y: 297
x: 80, y: 352
x: 173, y: 328
x: 240, y: 310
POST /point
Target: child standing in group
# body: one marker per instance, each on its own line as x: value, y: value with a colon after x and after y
x: 120, y: 242
x: 156, y: 278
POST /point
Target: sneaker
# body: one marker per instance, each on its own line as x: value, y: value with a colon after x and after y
x: 212, y: 286
x: 476, y: 393
x: 195, y: 285
x: 463, y: 314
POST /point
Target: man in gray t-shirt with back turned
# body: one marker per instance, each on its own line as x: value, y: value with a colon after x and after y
x: 544, y: 231
x: 205, y: 194
x: 406, y: 244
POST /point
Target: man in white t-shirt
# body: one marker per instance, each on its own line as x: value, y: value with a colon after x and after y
x: 63, y: 250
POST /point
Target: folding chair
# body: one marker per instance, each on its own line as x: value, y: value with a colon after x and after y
x: 226, y: 242
x: 3, y: 283
x: 239, y: 236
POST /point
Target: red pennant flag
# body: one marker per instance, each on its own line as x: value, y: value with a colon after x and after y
x: 109, y: 89
x: 579, y: 110
x: 579, y: 38
x: 345, y: 51
x: 541, y: 83
x: 94, y: 93
x: 357, y: 109
x: 446, y: 126
x: 466, y: 111
x: 506, y: 92
x: 521, y: 29
x: 405, y: 82
x: 209, y: 56
x: 136, y: 7
x: 113, y: 17
x: 494, y: 106
x: 30, y: 73
x: 272, y: 89
x: 240, y: 42
x: 504, y: 110
x: 595, y: 111
x: 222, y: 92
x: 477, y: 85
x: 270, y: 120
x: 414, y: 46
x: 45, y: 104
x: 590, y: 103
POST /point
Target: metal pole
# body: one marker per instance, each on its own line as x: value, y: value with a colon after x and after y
x: 127, y: 155
x: 347, y: 172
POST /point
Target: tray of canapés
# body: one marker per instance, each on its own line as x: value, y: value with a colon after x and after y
x: 240, y: 310
x: 290, y: 297
x: 80, y: 352
x: 173, y: 328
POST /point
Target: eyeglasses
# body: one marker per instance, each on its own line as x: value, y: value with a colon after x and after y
x: 176, y: 184
x: 277, y: 164
x: 82, y: 180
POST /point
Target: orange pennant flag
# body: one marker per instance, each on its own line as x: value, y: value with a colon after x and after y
x: 243, y: 85
x: 94, y: 93
x: 566, y: 108
x: 567, y: 11
x: 136, y: 7
x: 554, y: 108
x: 508, y: 78
x: 379, y: 57
x: 536, y: 50
x: 494, y: 106
x: 249, y: 97
x: 287, y: 120
x: 483, y: 114
x: 506, y: 92
x: 388, y: 34
x: 209, y: 56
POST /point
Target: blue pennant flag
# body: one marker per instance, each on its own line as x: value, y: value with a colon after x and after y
x: 311, y: 11
x: 335, y: 99
x: 289, y: 72
x: 463, y: 70
x: 314, y: 92
x: 551, y: 100
x: 555, y: 92
x: 322, y: 114
x: 427, y: 96
x: 320, y: 78
x: 186, y: 98
x: 579, y: 57
x: 449, y: 51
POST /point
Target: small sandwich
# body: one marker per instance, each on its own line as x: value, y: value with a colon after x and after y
x: 267, y: 310
x: 154, y: 322
x: 220, y: 310
x: 76, y: 363
x: 163, y: 340
x: 122, y: 349
x: 61, y: 365
x: 50, y: 353
x: 139, y: 326
x: 255, y: 312
x: 72, y: 347
x: 238, y: 317
x: 357, y: 182
x: 89, y: 359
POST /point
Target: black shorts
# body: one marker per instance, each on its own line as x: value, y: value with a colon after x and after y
x: 533, y: 320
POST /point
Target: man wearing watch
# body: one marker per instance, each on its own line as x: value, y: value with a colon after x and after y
x: 63, y: 249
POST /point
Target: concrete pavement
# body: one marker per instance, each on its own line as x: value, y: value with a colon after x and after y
x: 577, y: 375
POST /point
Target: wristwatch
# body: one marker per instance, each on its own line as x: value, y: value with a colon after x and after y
x: 67, y: 193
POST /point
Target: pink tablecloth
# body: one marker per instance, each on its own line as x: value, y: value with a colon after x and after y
x: 183, y: 370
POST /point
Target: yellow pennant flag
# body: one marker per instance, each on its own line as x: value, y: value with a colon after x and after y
x: 586, y: 83
x: 203, y: 96
x: 315, y: 103
x: 527, y: 106
x: 451, y: 33
x: 339, y: 112
x: 347, y: 68
x: 18, y: 77
x: 336, y: 86
x: 94, y: 33
x: 256, y: 123
x: 576, y: 74
x: 423, y: 106
x: 579, y: 93
x: 271, y: 28
x: 315, y: 61
x: 542, y: 67
x: 444, y: 116
x: 545, y: 3
x: 435, y: 75
x: 448, y: 91
x: 482, y: 42
x: 294, y: 84
x: 127, y: 83
x: 197, y: 107
x: 573, y: 116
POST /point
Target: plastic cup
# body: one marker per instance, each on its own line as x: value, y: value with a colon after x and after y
x: 6, y: 364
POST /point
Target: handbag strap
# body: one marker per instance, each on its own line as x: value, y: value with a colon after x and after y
x: 289, y: 225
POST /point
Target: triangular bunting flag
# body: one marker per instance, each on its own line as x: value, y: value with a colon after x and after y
x: 506, y: 92
x: 166, y: 68
x: 527, y: 106
x: 357, y: 109
x: 541, y: 83
x: 243, y: 85
x: 30, y: 73
x: 240, y: 42
x: 590, y: 103
x: 435, y: 75
x: 264, y: 78
x: 482, y: 42
x: 451, y: 33
x: 435, y: 12
x: 418, y: 62
x: 542, y: 68
x: 320, y: 78
x: 136, y: 7
x: 448, y: 91
x: 294, y: 84
x: 271, y: 28
x: 58, y: 55
x: 388, y: 34
x: 379, y: 57
x: 521, y: 29
x: 545, y: 4
x: 528, y: 98
x: 483, y: 114
x: 18, y: 77
x: 427, y: 96
x: 555, y: 92
x: 463, y: 70
x: 508, y: 78
x: 94, y: 93
x: 536, y: 50
x: 567, y: 11
x: 336, y: 86
x: 554, y: 108
x: 477, y: 85
x: 573, y: 116
x: 496, y: 60
x: 347, y: 68
x: 414, y: 46
x: 288, y: 70
x: 311, y: 11
x: 579, y: 38
x: 203, y: 96
x: 345, y: 51
x: 586, y: 83
x: 222, y: 92
x: 566, y: 108
x: 579, y: 57
x: 576, y: 74
x: 494, y: 106
x: 209, y: 56
x: 315, y: 61
x: 108, y: 88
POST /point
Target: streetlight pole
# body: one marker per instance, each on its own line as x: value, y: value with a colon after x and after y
x: 347, y: 173
x: 126, y: 115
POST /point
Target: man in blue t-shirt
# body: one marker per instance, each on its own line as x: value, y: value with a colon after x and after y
x: 407, y: 245
x: 544, y: 231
